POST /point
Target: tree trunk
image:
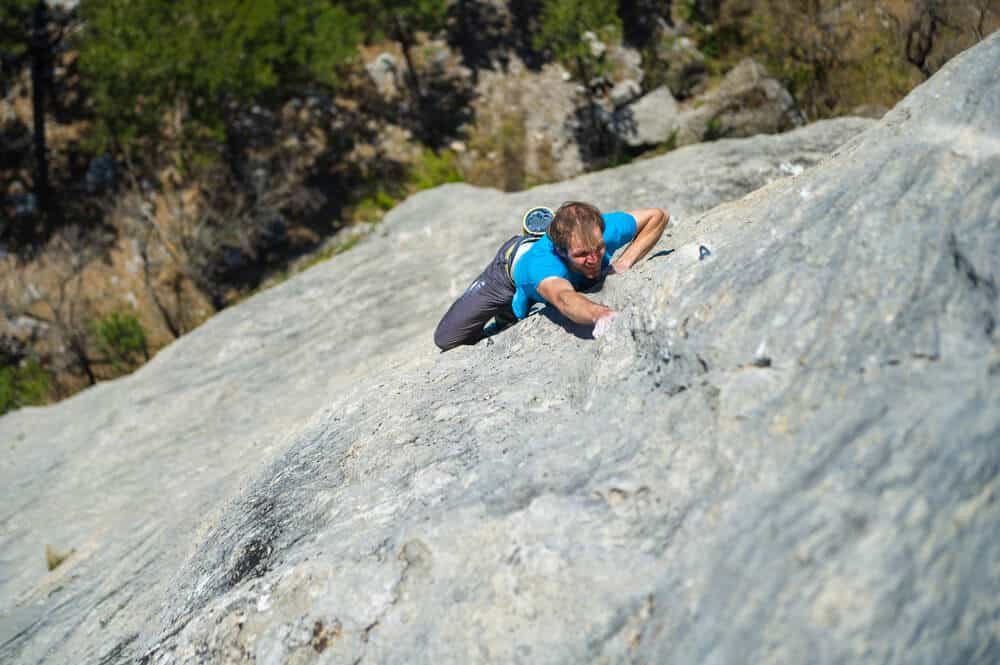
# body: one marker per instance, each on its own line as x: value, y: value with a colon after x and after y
x: 40, y: 47
x: 168, y: 320
x: 597, y: 138
x: 79, y: 348
x: 412, y: 80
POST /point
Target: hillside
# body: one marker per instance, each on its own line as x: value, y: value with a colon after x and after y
x: 784, y: 452
x: 151, y: 177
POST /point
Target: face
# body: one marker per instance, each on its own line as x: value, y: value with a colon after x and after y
x: 585, y: 253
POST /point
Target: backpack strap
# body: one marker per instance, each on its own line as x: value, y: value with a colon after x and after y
x: 511, y: 253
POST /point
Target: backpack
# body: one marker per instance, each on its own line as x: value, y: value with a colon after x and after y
x: 536, y: 221
x: 534, y: 224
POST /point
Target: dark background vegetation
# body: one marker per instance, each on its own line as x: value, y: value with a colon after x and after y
x: 253, y: 126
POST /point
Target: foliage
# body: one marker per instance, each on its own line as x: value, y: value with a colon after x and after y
x: 830, y: 60
x: 120, y: 337
x: 877, y: 77
x: 426, y: 111
x: 713, y: 130
x: 372, y: 207
x: 563, y: 24
x: 701, y: 12
x: 24, y: 384
x: 398, y: 19
x: 430, y: 170
x: 433, y: 169
x: 641, y: 20
x: 499, y: 149
x: 382, y: 194
x: 15, y: 28
x: 193, y: 58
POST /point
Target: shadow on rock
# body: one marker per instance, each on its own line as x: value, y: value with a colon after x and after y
x: 578, y: 330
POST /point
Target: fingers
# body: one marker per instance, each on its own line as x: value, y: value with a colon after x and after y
x: 603, y: 324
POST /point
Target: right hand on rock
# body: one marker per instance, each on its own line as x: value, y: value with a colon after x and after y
x: 603, y: 324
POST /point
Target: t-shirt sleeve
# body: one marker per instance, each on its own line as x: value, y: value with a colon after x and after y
x: 538, y: 264
x: 543, y: 267
x: 619, y: 230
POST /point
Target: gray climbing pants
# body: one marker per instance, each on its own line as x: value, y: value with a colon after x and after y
x: 489, y: 295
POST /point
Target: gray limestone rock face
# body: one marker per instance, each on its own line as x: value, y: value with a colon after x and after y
x: 785, y: 450
x: 133, y: 475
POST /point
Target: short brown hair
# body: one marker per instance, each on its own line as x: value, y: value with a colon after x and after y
x: 572, y: 218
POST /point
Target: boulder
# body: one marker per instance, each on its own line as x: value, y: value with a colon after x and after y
x: 686, y: 71
x: 784, y: 450
x: 624, y: 92
x: 748, y: 101
x: 102, y: 173
x: 650, y: 120
x: 385, y: 74
x: 624, y: 63
x: 594, y: 44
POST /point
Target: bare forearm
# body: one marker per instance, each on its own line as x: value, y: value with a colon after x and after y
x: 579, y: 308
x: 651, y: 228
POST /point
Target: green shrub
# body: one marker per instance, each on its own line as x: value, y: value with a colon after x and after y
x: 372, y: 207
x: 563, y: 23
x: 499, y: 144
x: 713, y: 130
x: 121, y: 339
x: 433, y: 169
x: 513, y: 144
x: 26, y: 384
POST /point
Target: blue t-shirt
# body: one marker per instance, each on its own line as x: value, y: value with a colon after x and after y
x: 541, y: 262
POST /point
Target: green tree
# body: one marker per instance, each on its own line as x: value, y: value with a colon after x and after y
x: 641, y: 19
x: 15, y: 27
x: 563, y: 24
x: 26, y: 35
x: 400, y: 21
x: 189, y: 60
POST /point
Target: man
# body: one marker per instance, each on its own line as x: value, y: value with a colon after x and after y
x: 574, y: 255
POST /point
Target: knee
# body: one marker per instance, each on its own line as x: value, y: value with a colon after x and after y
x: 442, y: 343
x: 444, y: 340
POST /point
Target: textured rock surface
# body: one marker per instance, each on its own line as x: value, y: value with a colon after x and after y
x: 747, y: 102
x: 513, y: 96
x: 650, y: 120
x: 785, y: 452
x: 686, y: 69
